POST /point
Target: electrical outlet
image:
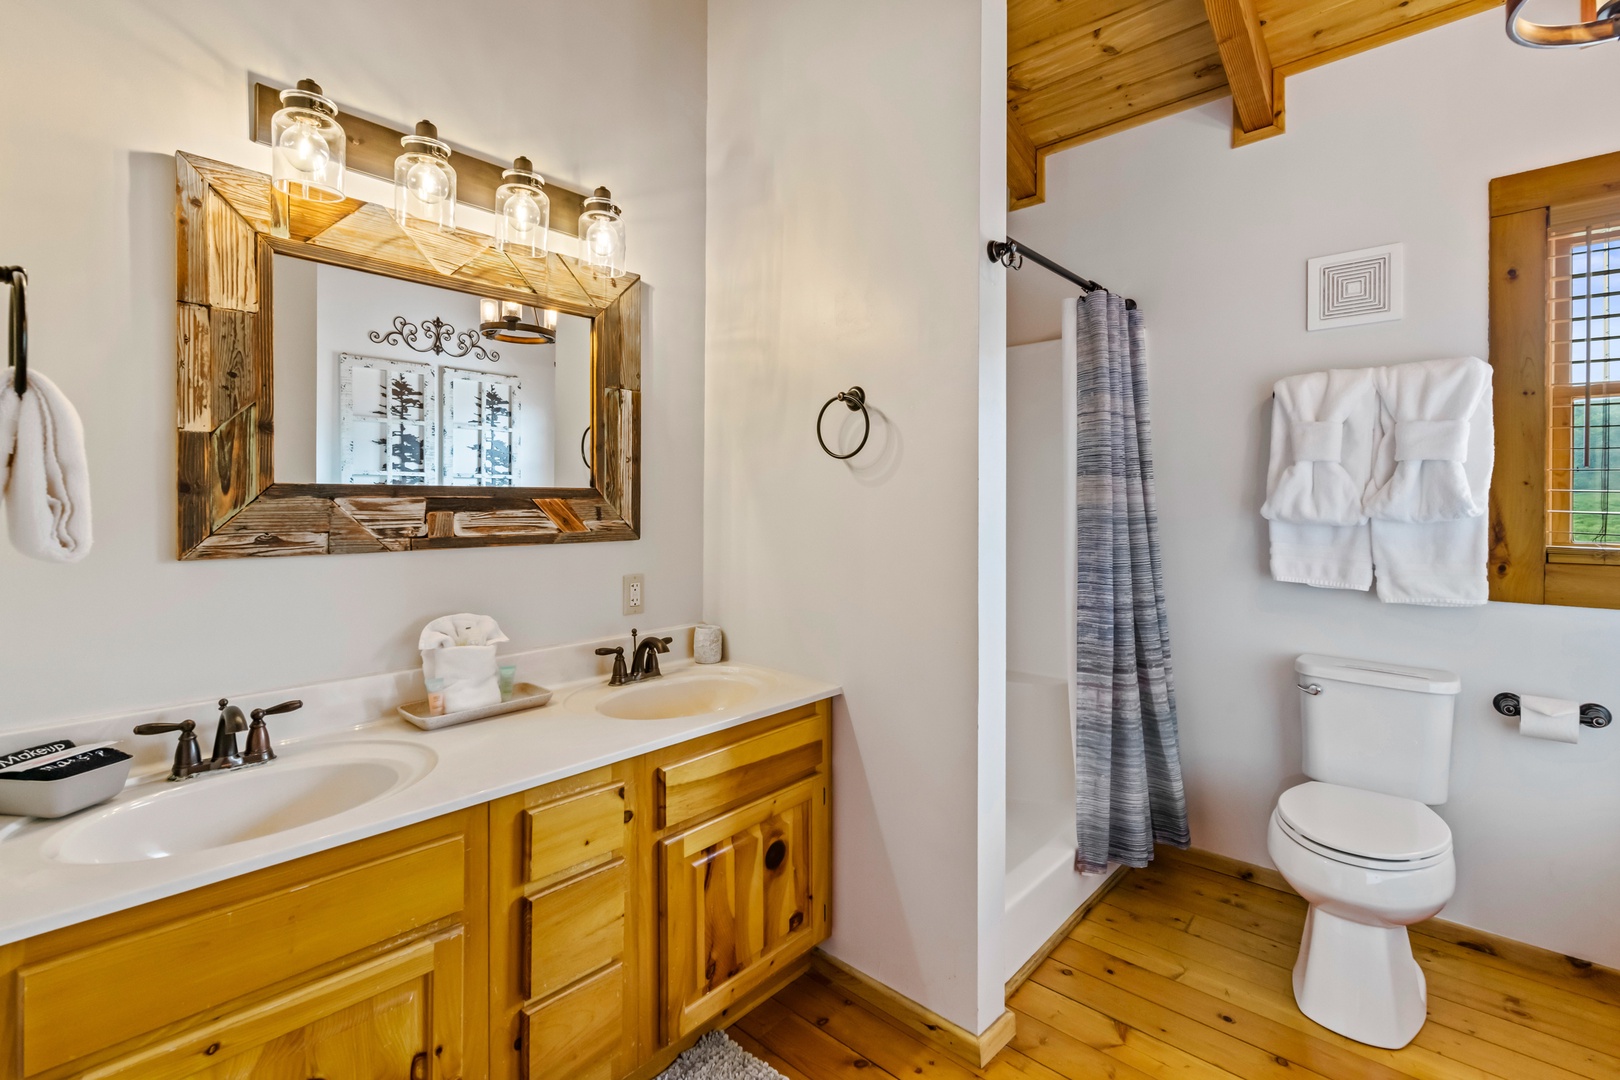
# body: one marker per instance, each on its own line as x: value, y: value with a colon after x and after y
x: 634, y: 593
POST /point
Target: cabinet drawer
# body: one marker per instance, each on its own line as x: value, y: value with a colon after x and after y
x: 576, y: 833
x: 95, y: 997
x: 576, y: 1035
x: 707, y: 783
x: 572, y: 929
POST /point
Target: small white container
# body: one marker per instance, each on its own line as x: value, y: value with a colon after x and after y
x: 57, y: 784
x: 707, y: 644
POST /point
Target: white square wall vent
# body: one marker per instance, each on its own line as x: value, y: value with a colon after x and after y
x: 1355, y: 287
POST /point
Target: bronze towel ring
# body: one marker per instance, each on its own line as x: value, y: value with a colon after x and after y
x: 855, y: 399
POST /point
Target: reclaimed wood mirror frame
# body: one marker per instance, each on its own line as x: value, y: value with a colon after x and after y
x: 230, y: 222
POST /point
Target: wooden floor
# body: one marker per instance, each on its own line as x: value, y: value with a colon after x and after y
x: 1183, y: 971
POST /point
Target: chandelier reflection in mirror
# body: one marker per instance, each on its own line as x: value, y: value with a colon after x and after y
x: 1597, y: 24
x: 437, y: 337
x: 518, y: 324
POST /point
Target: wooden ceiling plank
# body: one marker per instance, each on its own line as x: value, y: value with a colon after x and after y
x: 1095, y: 41
x: 1303, y: 34
x: 1059, y: 111
x: 1108, y: 105
x: 1246, y: 59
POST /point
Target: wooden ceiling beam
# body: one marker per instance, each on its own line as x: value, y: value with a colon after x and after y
x: 1247, y: 61
x: 1024, y: 173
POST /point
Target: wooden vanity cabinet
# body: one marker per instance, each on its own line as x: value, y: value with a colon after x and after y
x: 588, y: 929
x: 637, y: 906
x: 367, y: 960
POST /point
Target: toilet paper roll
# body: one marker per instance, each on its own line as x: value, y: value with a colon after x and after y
x: 1549, y: 718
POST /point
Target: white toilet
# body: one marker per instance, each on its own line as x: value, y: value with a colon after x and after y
x: 1359, y: 843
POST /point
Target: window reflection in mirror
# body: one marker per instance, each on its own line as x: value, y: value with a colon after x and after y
x: 382, y: 381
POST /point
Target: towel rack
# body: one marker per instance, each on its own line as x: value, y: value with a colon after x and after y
x: 1592, y: 715
x: 18, y: 280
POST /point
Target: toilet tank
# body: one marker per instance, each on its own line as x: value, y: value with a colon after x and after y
x: 1379, y: 727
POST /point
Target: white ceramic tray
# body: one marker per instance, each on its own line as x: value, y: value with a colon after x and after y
x: 524, y: 696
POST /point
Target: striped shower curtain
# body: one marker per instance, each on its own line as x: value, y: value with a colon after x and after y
x: 1128, y: 789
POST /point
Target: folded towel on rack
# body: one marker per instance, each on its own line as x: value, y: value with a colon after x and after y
x: 1427, y: 416
x: 1443, y: 563
x: 1322, y: 439
x: 44, y: 476
x: 1326, y: 556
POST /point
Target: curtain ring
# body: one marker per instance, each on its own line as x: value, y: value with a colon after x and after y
x: 19, y: 326
x: 855, y: 399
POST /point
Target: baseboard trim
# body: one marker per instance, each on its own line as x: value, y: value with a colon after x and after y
x: 1468, y: 937
x: 974, y: 1051
x: 1021, y: 976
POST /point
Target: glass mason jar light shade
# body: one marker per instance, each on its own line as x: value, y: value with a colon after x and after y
x: 524, y: 210
x: 424, y: 182
x: 308, y: 147
x: 601, y: 234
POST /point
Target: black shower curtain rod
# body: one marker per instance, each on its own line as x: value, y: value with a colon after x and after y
x: 1011, y: 254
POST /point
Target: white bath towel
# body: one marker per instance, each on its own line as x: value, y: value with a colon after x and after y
x: 1326, y: 556
x: 44, y: 474
x: 1442, y: 563
x: 1322, y: 440
x: 1426, y: 415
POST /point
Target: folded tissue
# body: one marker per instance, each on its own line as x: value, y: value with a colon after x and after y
x: 460, y: 649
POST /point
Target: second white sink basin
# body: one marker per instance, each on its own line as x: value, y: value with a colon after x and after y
x: 679, y: 695
x: 299, y: 788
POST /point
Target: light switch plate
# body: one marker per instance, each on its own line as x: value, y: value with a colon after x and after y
x: 635, y: 594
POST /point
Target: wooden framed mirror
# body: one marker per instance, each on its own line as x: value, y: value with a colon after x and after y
x: 433, y: 456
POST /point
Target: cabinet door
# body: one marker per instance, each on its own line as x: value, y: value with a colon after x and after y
x: 743, y: 894
x: 396, y: 1016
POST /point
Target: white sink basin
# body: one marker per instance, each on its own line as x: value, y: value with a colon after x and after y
x: 669, y: 697
x: 298, y: 788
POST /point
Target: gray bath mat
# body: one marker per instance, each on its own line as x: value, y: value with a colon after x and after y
x: 716, y: 1057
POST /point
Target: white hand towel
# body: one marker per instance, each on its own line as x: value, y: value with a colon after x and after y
x: 1426, y: 415
x: 1326, y: 556
x: 1322, y: 438
x: 460, y: 649
x: 1442, y: 563
x: 44, y: 474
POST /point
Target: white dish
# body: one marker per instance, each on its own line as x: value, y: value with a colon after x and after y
x: 524, y: 696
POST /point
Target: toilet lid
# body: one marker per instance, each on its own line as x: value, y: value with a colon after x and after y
x: 1369, y: 824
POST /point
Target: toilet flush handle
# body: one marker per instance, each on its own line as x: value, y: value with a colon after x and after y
x: 1311, y: 689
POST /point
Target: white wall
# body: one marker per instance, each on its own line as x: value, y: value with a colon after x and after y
x: 112, y: 89
x: 1393, y: 145
x: 855, y: 170
x: 1040, y: 514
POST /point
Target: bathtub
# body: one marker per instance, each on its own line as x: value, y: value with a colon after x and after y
x: 1042, y: 887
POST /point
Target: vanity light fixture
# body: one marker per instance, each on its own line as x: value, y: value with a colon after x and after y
x: 519, y: 324
x: 424, y: 181
x: 309, y: 147
x: 1597, y: 24
x: 601, y: 234
x: 524, y: 210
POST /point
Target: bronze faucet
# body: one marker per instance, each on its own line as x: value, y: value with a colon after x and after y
x: 188, y: 760
x: 643, y: 659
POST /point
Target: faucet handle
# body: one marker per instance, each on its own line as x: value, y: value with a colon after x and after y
x: 285, y: 707
x: 259, y: 749
x: 620, y: 674
x: 188, y: 755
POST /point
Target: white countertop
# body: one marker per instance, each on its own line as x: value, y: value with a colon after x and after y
x: 475, y: 763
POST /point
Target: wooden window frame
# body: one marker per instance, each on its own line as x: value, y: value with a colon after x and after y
x: 1523, y: 568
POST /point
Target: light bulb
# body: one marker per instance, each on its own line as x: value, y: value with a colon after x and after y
x: 427, y: 182
x: 600, y: 237
x: 303, y: 148
x: 522, y: 213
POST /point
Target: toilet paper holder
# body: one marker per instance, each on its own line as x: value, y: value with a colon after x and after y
x: 1592, y: 716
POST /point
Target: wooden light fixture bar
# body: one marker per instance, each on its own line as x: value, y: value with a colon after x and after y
x: 373, y: 148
